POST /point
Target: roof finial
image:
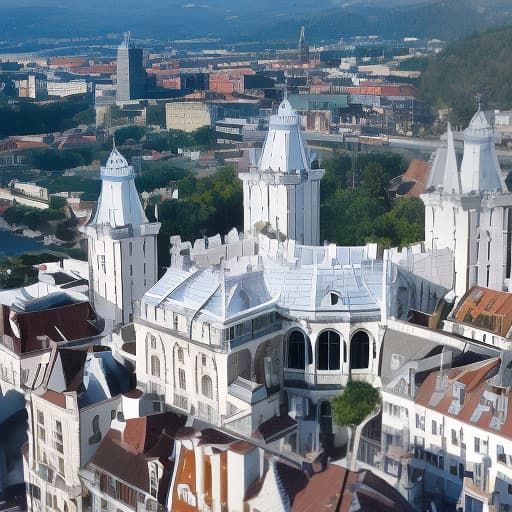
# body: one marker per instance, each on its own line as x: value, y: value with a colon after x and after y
x: 478, y: 97
x: 114, y: 148
x: 286, y: 89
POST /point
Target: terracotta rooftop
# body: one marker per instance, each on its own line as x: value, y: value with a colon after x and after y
x: 65, y: 323
x: 126, y: 455
x: 486, y: 309
x: 484, y: 403
x: 58, y: 399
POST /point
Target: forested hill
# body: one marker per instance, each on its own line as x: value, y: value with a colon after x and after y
x: 265, y: 21
x: 481, y: 64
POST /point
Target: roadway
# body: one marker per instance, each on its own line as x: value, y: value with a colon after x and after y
x: 411, y: 143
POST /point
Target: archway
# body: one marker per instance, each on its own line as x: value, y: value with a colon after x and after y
x: 359, y: 350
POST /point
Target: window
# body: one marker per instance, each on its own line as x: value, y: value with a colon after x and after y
x: 131, y: 270
x: 144, y: 269
x: 154, y: 482
x: 153, y: 342
x: 434, y: 427
x: 182, y: 379
x: 61, y: 466
x: 175, y: 321
x: 359, y: 350
x: 130, y: 249
x: 477, y: 445
x: 300, y: 353
x: 203, y: 360
x: 113, y: 414
x: 101, y: 263
x: 420, y: 422
x: 155, y: 366
x: 58, y: 437
x: 329, y: 351
x: 181, y: 356
x: 96, y: 432
x: 206, y: 386
x: 41, y: 434
x: 40, y: 417
x: 455, y: 441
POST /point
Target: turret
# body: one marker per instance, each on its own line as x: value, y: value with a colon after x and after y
x: 122, y: 245
x: 282, y: 192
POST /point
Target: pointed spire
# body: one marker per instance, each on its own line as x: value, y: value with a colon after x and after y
x: 451, y: 176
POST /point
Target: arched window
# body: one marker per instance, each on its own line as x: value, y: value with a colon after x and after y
x: 300, y: 353
x: 155, y: 366
x: 359, y: 350
x: 206, y: 386
x: 96, y: 432
x: 329, y: 351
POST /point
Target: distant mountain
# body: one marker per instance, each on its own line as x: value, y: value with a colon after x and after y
x: 244, y: 20
x: 480, y: 64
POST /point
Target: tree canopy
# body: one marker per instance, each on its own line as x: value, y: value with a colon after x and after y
x: 358, y: 400
x: 477, y: 64
x: 366, y: 214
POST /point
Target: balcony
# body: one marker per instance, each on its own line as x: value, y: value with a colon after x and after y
x: 304, y: 379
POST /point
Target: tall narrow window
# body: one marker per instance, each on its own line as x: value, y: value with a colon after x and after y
x: 359, y: 350
x: 130, y: 248
x: 206, y: 386
x: 329, y: 351
x: 300, y: 353
x: 182, y: 379
x: 155, y: 366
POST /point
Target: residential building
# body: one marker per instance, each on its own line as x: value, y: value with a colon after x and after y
x: 68, y: 417
x: 133, y: 466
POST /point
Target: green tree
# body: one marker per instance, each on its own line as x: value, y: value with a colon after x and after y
x: 358, y: 400
x: 129, y: 132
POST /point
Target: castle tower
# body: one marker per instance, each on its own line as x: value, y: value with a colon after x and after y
x: 122, y: 244
x: 282, y: 192
x: 468, y: 210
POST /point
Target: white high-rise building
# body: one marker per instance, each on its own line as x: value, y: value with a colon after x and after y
x: 122, y: 244
x: 282, y: 192
x: 468, y: 210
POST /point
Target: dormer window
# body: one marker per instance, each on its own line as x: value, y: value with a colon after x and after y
x: 334, y: 299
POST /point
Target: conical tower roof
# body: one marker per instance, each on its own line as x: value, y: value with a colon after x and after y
x: 480, y: 169
x: 284, y: 149
x: 119, y: 204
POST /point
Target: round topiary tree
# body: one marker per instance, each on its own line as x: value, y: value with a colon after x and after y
x: 358, y: 400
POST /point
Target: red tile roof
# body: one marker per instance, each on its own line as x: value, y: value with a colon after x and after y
x: 486, y: 309
x: 70, y: 322
x: 58, y: 399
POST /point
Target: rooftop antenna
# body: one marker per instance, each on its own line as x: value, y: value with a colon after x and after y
x: 286, y: 89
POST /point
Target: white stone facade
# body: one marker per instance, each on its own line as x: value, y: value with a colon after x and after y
x: 283, y: 192
x: 122, y: 247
